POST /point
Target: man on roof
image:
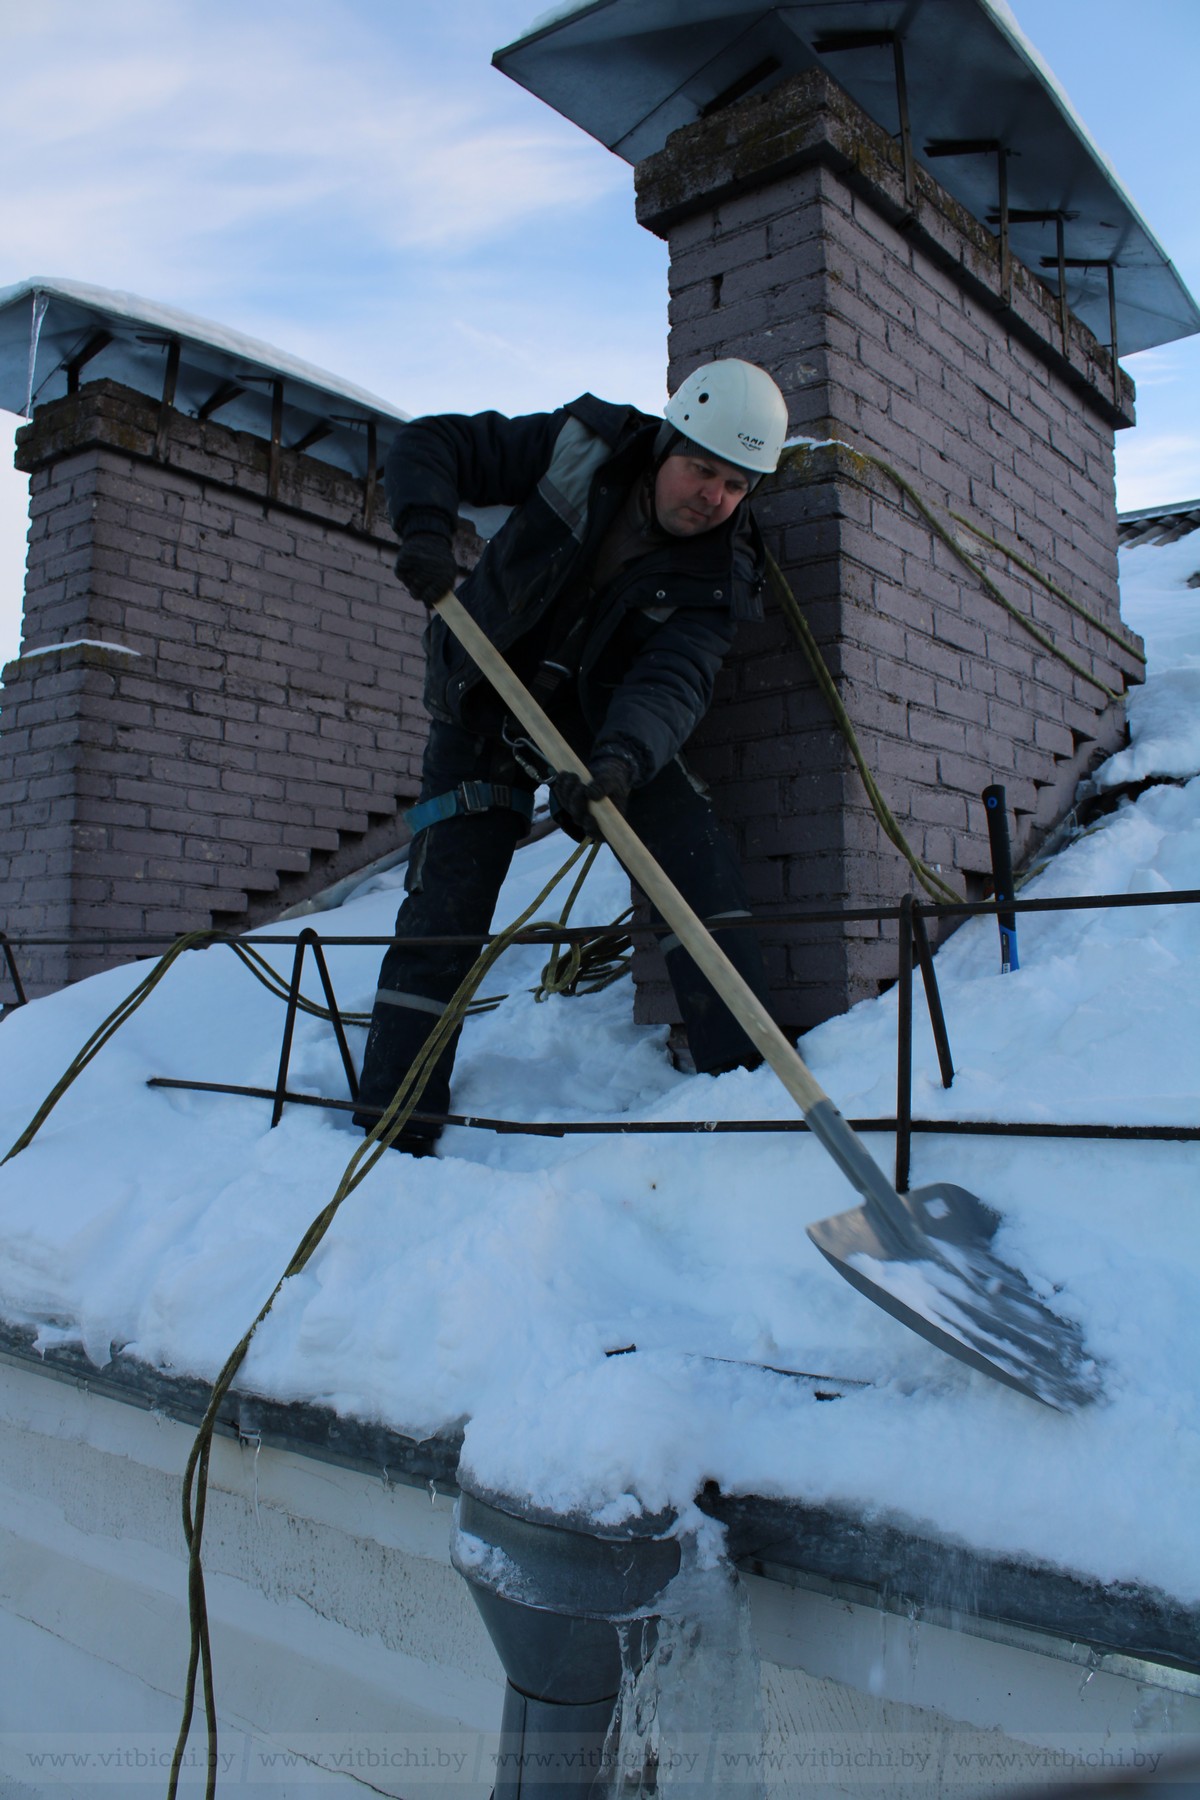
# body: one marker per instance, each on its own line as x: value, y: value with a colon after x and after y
x: 614, y: 590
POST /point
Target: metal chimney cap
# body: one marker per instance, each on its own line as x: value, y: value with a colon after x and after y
x: 630, y: 72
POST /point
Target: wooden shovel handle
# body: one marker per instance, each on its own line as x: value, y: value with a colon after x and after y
x: 699, y: 943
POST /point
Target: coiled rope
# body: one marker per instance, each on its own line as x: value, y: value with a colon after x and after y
x: 588, y: 966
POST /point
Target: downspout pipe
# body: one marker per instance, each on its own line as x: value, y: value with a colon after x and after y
x: 551, y: 1592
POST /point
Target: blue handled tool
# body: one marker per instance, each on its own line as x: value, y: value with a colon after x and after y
x: 1002, y: 874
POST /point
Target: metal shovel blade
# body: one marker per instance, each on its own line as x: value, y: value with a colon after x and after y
x: 925, y: 1257
x: 945, y: 1282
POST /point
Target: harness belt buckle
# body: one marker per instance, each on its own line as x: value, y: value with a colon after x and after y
x: 475, y: 796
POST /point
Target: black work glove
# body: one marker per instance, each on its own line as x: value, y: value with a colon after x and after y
x: 426, y: 566
x: 612, y: 778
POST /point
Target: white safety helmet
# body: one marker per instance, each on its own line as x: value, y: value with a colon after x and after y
x: 734, y: 409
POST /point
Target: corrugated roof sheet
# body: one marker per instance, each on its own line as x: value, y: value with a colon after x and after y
x: 1158, y: 524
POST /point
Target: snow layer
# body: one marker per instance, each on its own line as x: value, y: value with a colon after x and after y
x: 174, y: 323
x: 1164, y: 715
x: 486, y: 1285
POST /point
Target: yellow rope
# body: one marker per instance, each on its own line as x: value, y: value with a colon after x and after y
x: 375, y: 1144
x: 792, y: 458
x: 1051, y: 587
x: 561, y: 971
x: 929, y: 879
x: 588, y: 968
x: 989, y: 587
x: 192, y: 940
x: 799, y: 452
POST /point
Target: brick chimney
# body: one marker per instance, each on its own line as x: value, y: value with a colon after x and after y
x: 893, y: 325
x: 216, y: 709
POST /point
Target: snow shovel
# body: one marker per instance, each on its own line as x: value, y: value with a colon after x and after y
x: 926, y: 1256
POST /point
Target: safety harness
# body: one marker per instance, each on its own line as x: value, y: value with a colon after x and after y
x: 469, y: 797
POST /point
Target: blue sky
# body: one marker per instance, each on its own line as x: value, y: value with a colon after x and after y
x: 351, y: 181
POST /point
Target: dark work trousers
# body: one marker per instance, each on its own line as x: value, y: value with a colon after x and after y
x: 455, y: 871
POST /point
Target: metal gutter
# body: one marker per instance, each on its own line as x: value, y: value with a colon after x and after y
x: 1131, y: 1631
x: 301, y: 1427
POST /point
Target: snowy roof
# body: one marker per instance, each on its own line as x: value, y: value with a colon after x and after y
x: 487, y: 1283
x: 55, y: 333
x: 632, y: 71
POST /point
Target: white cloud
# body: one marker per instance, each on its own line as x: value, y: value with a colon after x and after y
x: 1158, y: 462
x: 1157, y: 368
x: 348, y: 179
x: 153, y: 134
x: 1157, y: 470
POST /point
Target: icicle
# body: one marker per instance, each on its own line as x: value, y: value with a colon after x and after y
x: 689, y: 1725
x: 877, y: 1673
x: 1156, y: 1710
x: 629, y: 1761
x: 41, y: 302
x: 249, y: 1434
x: 913, y: 1635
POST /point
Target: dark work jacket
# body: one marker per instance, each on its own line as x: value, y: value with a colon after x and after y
x: 659, y: 629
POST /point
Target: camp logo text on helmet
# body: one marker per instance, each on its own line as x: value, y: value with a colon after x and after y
x: 733, y: 409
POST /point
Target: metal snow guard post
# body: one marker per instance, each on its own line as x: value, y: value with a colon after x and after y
x: 957, y: 75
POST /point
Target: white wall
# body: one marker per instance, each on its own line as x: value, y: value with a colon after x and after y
x: 350, y: 1658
